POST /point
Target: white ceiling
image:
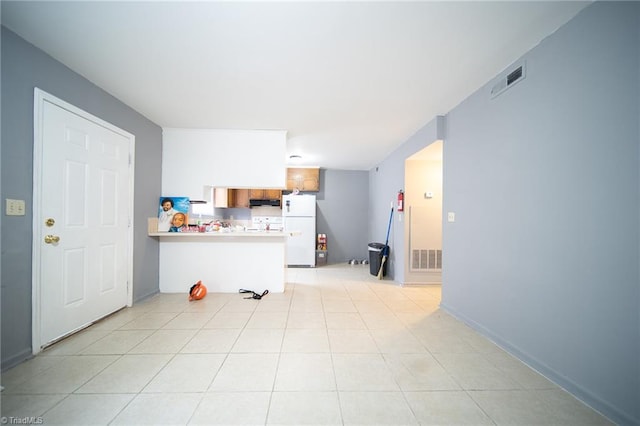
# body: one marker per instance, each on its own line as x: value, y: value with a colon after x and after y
x: 349, y: 81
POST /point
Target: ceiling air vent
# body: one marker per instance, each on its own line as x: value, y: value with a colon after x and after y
x: 508, y: 79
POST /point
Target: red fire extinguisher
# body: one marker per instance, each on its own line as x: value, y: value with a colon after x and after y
x: 400, y: 201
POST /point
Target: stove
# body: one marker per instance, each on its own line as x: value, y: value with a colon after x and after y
x: 266, y: 223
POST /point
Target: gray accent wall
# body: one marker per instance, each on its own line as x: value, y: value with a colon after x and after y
x: 385, y: 180
x: 342, y: 213
x: 23, y: 68
x: 543, y: 255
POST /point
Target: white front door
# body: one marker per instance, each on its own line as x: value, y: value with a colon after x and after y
x: 82, y: 219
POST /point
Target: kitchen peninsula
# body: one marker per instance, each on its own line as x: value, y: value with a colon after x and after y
x: 224, y: 261
x: 194, y: 161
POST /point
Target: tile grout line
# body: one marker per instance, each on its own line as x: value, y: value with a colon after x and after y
x: 275, y: 376
x: 141, y: 391
x: 333, y: 364
x: 226, y: 355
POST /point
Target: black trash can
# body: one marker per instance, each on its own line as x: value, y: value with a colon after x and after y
x: 375, y: 258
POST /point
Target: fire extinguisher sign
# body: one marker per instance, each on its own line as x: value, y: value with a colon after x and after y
x: 400, y: 206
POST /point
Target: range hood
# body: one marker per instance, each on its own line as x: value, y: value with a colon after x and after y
x: 260, y: 202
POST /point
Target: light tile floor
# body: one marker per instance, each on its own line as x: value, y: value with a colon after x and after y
x: 338, y: 347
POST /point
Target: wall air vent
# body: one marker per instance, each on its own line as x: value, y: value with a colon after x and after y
x: 426, y: 259
x: 508, y: 79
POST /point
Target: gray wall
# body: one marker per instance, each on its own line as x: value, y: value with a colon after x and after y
x: 23, y: 68
x: 385, y: 181
x: 543, y: 256
x: 342, y: 213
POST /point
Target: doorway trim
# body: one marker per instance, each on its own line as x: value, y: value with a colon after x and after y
x: 40, y: 97
x: 431, y: 153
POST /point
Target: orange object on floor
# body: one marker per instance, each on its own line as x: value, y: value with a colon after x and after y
x: 197, y: 291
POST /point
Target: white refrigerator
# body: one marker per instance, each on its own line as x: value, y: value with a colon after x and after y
x: 299, y: 218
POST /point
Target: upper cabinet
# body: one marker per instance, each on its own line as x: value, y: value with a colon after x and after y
x: 230, y: 198
x: 240, y: 198
x: 303, y: 179
x: 223, y: 197
x: 265, y: 194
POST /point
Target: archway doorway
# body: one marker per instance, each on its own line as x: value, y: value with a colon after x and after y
x: 423, y: 211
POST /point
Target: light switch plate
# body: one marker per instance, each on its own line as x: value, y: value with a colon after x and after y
x: 451, y: 217
x: 15, y: 207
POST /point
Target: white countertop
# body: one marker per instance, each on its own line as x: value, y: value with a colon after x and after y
x: 224, y: 234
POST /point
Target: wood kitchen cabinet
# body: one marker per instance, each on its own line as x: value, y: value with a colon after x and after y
x: 240, y: 198
x: 304, y: 179
x: 231, y: 198
x: 273, y: 194
x: 222, y: 197
x: 265, y: 194
x: 256, y: 194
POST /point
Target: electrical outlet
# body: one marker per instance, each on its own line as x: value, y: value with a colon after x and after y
x: 15, y: 207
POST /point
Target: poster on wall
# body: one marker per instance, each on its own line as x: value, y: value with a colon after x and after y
x: 173, y: 214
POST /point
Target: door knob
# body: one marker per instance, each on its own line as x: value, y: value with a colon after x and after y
x: 51, y: 239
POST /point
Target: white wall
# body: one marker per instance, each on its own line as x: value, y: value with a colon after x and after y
x: 193, y: 158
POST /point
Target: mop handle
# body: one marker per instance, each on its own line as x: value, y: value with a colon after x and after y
x: 386, y: 243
